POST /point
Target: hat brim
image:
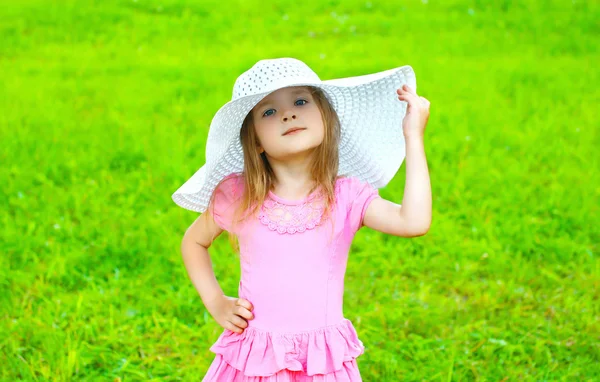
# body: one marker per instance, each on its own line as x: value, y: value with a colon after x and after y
x: 371, y: 143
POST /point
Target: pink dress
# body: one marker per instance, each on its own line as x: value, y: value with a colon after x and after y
x: 292, y: 270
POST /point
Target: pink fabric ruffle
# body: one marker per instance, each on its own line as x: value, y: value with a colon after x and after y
x: 221, y: 371
x: 258, y: 353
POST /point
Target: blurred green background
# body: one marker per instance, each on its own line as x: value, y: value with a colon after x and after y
x: 104, y: 111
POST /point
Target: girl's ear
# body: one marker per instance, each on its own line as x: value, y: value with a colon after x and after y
x: 259, y: 146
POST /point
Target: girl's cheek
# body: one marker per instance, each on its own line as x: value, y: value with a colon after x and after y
x: 266, y: 132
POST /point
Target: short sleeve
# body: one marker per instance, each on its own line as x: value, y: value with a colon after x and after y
x: 225, y: 200
x: 359, y: 195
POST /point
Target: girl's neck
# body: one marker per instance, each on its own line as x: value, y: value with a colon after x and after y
x: 293, y: 180
x: 294, y: 189
x: 293, y: 186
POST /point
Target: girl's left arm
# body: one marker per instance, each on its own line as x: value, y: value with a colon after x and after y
x: 412, y: 217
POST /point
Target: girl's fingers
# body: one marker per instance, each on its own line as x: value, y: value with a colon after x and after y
x: 243, y: 312
x: 244, y: 303
x: 411, y: 99
x: 410, y: 90
x: 229, y: 326
x: 406, y: 89
x: 238, y: 321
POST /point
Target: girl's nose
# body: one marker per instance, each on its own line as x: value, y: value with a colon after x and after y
x: 286, y: 118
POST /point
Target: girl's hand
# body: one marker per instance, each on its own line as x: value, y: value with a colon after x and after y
x: 231, y: 313
x: 417, y: 112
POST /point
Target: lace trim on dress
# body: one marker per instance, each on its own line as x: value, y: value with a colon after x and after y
x: 294, y: 218
x: 285, y: 218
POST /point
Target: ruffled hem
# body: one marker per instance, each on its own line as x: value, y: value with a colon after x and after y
x: 259, y: 353
x: 221, y: 371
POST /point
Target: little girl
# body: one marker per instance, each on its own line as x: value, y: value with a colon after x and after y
x: 292, y: 169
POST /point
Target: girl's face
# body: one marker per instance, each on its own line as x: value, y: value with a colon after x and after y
x: 282, y: 110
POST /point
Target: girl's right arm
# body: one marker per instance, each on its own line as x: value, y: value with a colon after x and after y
x: 231, y: 313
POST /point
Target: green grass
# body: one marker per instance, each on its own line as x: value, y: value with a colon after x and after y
x: 104, y: 110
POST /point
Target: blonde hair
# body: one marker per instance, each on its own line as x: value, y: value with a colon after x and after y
x: 259, y: 177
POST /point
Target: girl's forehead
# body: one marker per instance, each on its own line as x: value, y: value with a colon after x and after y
x: 292, y: 90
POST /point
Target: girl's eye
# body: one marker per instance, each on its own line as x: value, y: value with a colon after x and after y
x: 266, y: 113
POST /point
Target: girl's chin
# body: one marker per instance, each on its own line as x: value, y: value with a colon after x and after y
x: 294, y: 154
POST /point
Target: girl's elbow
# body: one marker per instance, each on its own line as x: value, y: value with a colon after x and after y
x: 415, y: 226
x: 423, y: 232
x: 420, y: 230
x: 425, y: 228
x: 408, y: 233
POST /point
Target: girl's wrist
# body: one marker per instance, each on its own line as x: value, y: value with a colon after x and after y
x: 211, y: 294
x: 413, y: 137
x: 213, y: 300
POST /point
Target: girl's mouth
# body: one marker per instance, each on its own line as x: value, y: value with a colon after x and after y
x: 294, y: 130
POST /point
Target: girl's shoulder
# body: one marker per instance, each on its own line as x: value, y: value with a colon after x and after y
x: 350, y: 187
x: 355, y: 196
x: 231, y: 186
x: 225, y: 198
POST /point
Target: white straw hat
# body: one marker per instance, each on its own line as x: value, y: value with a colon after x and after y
x: 371, y: 144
